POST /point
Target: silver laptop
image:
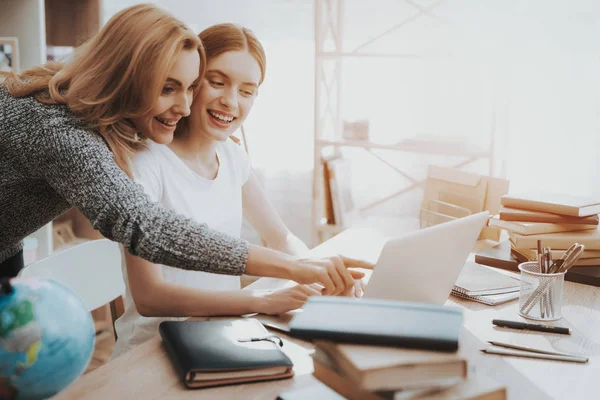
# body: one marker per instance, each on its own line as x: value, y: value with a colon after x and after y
x: 424, y: 265
x: 421, y: 266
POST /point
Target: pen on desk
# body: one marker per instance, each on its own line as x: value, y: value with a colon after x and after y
x: 532, y: 350
x: 542, y: 356
x: 531, y: 327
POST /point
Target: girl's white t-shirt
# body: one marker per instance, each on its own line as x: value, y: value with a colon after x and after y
x: 218, y: 203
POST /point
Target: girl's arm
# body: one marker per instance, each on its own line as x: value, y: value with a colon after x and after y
x: 154, y: 297
x: 261, y: 214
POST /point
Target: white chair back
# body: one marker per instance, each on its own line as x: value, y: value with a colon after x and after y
x: 91, y: 269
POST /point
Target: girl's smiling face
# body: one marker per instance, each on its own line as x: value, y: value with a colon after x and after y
x: 227, y: 94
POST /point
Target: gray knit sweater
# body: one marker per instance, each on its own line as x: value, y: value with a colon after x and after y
x: 50, y: 162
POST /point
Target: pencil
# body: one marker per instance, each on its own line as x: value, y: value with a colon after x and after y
x: 523, y: 354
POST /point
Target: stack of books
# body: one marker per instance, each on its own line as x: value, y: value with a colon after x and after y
x: 500, y: 256
x: 376, y: 372
x: 556, y: 220
x: 385, y: 349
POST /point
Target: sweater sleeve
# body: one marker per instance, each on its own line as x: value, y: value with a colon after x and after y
x: 80, y: 167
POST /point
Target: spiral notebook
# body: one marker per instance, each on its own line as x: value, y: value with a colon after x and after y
x: 484, y: 285
x: 491, y: 299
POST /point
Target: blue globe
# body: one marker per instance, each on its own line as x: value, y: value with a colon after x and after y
x: 46, y: 338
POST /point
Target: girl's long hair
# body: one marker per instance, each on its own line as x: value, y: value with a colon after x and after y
x: 221, y: 38
x: 116, y: 75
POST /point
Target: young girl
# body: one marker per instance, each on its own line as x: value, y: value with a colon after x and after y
x: 207, y: 177
x: 66, y: 134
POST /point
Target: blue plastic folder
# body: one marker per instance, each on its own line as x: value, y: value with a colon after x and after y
x: 379, y: 322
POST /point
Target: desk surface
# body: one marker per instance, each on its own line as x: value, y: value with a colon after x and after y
x: 147, y: 373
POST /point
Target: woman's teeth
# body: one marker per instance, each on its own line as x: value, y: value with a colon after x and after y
x: 168, y: 123
x: 220, y: 117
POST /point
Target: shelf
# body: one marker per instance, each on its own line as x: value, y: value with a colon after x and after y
x: 449, y: 149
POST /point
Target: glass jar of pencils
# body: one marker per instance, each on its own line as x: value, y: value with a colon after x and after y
x: 541, y: 294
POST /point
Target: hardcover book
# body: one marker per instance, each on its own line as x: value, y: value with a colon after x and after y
x: 534, y: 228
x: 557, y: 241
x: 379, y: 322
x: 215, y: 353
x: 376, y: 368
x: 515, y: 214
x: 476, y: 387
x: 498, y: 256
x: 556, y: 203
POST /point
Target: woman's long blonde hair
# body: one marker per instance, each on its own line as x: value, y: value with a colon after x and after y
x: 116, y: 75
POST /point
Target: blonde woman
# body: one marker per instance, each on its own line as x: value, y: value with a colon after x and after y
x: 207, y: 177
x: 66, y: 134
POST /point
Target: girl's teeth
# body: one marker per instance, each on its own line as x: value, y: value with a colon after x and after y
x: 221, y: 117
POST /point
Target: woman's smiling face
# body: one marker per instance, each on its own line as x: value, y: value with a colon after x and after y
x: 227, y: 94
x: 174, y: 101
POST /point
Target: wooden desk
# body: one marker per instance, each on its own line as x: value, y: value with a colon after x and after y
x: 146, y: 372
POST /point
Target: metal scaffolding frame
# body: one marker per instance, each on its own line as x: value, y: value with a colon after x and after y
x: 328, y: 124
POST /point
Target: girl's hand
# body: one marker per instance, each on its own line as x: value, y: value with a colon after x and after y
x: 284, y: 300
x: 356, y: 290
x: 331, y: 272
x: 359, y: 288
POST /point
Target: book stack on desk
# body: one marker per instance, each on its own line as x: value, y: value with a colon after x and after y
x: 502, y: 256
x: 383, y: 349
x: 557, y: 220
x: 376, y: 373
